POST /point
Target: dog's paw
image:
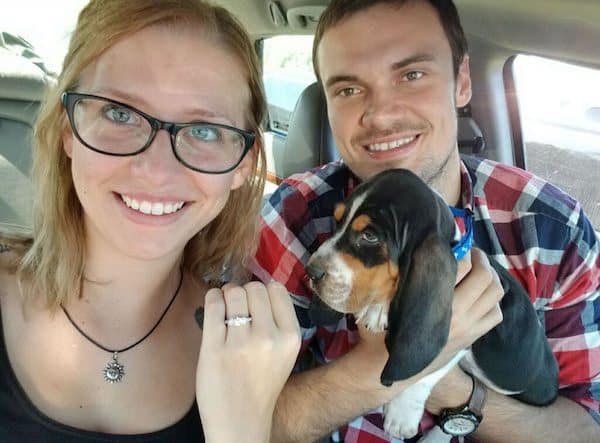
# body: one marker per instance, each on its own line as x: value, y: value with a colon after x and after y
x: 398, y: 428
x: 402, y: 418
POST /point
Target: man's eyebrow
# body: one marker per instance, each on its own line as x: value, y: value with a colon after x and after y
x: 340, y: 78
x: 417, y: 58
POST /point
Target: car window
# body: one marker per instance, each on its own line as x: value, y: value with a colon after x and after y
x: 559, y: 107
x: 47, y: 26
x: 287, y: 70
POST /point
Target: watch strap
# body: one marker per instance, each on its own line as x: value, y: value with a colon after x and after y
x: 477, y: 398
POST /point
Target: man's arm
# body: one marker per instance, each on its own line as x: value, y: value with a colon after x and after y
x: 506, y: 419
x: 572, y: 326
x: 316, y: 402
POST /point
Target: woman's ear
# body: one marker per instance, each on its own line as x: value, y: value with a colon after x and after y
x: 67, y: 140
x: 244, y: 169
x: 463, y: 91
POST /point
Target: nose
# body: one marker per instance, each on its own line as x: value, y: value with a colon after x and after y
x: 157, y: 163
x: 315, y: 272
x: 382, y: 108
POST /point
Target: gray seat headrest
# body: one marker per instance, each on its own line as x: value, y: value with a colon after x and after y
x: 309, y: 141
x: 23, y: 80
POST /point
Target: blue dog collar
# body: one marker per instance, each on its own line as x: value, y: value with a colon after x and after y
x: 465, y: 243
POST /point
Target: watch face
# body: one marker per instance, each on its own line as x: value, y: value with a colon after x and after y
x: 460, y: 425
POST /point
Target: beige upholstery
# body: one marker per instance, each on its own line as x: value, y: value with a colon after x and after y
x: 23, y: 79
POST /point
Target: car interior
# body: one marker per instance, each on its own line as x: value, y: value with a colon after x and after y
x: 298, y: 137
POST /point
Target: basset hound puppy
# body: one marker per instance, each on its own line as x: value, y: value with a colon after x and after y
x: 392, y: 263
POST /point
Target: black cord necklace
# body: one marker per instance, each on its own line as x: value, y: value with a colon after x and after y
x: 114, y: 371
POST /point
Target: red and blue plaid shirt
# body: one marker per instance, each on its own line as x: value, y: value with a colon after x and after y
x: 540, y: 234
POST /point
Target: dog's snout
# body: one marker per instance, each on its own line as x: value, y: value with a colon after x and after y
x: 315, y: 272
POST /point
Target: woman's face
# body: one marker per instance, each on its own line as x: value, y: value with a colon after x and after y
x: 175, y: 75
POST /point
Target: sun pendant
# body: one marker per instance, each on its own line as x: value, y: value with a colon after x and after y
x: 114, y: 371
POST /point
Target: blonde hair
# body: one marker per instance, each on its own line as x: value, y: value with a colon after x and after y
x: 53, y: 258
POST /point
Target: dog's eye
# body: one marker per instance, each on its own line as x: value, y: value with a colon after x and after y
x: 367, y: 238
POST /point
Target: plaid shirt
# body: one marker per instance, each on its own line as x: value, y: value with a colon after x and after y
x: 536, y: 231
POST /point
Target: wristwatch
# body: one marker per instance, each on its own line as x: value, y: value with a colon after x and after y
x: 464, y: 420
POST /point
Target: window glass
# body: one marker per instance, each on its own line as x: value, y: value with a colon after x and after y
x: 47, y: 26
x: 287, y: 70
x: 560, y: 118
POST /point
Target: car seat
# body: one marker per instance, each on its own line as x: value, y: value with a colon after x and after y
x: 23, y: 79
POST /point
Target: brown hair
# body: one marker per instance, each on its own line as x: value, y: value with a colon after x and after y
x: 54, y: 260
x: 339, y: 10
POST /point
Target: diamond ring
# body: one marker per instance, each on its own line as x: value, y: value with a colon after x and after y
x: 238, y: 320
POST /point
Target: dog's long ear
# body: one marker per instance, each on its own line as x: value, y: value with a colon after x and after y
x: 419, y: 316
x: 321, y: 314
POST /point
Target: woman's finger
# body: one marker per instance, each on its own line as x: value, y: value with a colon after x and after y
x: 282, y: 307
x: 236, y: 306
x: 259, y: 306
x: 213, y: 331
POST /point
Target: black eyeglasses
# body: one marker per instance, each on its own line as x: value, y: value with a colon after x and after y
x: 113, y: 128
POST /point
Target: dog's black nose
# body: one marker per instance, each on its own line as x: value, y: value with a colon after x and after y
x: 315, y: 273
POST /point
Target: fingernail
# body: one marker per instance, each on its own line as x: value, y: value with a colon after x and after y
x: 199, y: 315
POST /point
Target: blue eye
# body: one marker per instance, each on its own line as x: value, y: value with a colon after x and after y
x: 205, y: 133
x: 119, y: 114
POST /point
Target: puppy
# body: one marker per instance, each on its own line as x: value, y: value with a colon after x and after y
x: 391, y: 264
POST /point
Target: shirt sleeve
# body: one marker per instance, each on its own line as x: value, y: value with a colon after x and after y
x: 572, y: 318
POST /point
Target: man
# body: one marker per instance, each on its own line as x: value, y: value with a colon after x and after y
x: 394, y: 73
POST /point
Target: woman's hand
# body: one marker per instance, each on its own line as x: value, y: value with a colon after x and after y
x: 242, y: 369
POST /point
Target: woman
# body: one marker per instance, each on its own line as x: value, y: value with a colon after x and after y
x: 133, y: 216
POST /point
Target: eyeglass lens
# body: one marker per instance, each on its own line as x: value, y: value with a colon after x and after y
x: 116, y: 129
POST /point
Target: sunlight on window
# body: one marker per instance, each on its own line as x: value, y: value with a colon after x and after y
x: 46, y: 25
x: 560, y: 120
x: 560, y: 103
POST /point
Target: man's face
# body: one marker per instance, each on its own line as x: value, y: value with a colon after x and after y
x: 391, y: 92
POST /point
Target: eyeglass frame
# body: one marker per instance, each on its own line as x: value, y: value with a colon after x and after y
x: 70, y: 98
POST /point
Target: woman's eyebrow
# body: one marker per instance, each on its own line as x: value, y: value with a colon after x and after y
x: 139, y: 103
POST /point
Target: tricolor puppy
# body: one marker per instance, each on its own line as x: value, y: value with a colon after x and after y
x: 391, y: 263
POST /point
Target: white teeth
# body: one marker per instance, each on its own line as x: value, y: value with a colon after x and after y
x: 391, y: 145
x: 156, y: 208
x: 145, y: 207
